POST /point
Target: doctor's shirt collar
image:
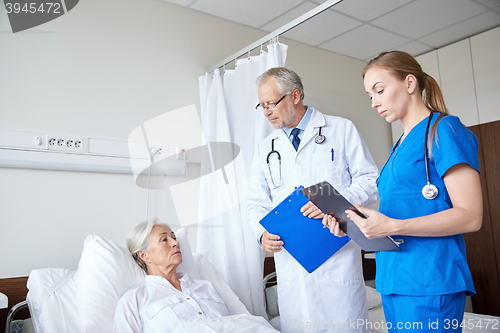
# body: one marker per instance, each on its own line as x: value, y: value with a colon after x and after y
x: 302, y: 124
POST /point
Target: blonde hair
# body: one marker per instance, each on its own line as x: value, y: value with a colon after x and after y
x: 401, y: 64
x: 139, y: 239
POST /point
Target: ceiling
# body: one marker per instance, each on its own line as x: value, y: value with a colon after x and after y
x: 361, y: 29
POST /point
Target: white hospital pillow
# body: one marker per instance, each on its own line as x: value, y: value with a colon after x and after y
x: 56, y: 311
x: 39, y: 281
x: 188, y: 265
x: 104, y: 273
x: 373, y: 297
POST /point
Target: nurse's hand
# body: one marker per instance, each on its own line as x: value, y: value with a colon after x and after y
x: 311, y: 211
x: 270, y: 242
x: 331, y: 223
x: 376, y: 224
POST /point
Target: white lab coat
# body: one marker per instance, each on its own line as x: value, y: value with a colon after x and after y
x: 333, y: 296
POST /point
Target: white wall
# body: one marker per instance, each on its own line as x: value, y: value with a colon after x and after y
x: 468, y: 73
x: 103, y: 69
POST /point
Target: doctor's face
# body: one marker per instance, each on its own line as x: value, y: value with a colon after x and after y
x: 388, y: 94
x: 284, y: 114
x: 164, y: 252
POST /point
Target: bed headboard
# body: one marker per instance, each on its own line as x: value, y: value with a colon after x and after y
x: 16, y: 290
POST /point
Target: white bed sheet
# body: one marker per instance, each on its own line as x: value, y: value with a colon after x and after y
x: 478, y: 323
x: 377, y: 319
x: 472, y: 322
x: 242, y: 323
x: 62, y: 301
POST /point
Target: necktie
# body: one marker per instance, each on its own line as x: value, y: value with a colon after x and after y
x: 295, y: 138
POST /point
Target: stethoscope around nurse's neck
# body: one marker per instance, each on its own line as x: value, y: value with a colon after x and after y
x: 429, y: 191
x: 319, y: 140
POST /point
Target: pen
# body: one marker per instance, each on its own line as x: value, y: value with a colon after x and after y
x: 332, y: 154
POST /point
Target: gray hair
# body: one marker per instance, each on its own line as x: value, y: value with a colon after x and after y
x: 286, y: 80
x: 139, y: 239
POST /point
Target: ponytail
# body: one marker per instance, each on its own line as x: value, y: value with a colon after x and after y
x: 435, y: 102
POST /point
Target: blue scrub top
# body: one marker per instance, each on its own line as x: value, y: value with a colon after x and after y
x: 425, y: 265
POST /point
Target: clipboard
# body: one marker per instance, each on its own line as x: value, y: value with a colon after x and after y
x: 304, y: 238
x: 330, y: 201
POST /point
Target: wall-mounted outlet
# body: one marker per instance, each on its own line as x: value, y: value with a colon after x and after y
x: 183, y: 153
x: 56, y: 142
x: 66, y: 143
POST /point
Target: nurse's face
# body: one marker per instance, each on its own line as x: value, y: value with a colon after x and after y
x: 282, y: 115
x: 164, y: 252
x: 389, y: 95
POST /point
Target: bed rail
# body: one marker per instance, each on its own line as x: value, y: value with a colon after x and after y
x: 12, y: 313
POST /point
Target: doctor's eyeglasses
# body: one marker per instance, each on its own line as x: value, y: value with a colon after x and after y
x: 270, y: 106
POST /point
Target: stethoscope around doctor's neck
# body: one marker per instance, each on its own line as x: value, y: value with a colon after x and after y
x: 319, y: 140
x: 429, y: 191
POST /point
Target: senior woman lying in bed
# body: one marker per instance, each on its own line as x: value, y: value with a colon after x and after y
x: 167, y: 301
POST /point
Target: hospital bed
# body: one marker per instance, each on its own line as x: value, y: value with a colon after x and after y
x: 62, y: 300
x: 472, y: 322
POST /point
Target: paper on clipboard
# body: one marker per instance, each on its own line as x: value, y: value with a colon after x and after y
x: 304, y: 238
x: 330, y: 201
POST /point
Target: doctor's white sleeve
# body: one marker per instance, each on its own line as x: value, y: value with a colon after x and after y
x: 259, y: 201
x: 362, y: 169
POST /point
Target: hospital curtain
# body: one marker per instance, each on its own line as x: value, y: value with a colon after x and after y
x: 228, y: 114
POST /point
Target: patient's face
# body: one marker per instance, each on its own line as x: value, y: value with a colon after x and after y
x: 164, y: 251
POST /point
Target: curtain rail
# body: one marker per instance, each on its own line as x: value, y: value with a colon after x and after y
x: 301, y: 19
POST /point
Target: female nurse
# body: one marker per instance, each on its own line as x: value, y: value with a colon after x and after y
x: 424, y: 285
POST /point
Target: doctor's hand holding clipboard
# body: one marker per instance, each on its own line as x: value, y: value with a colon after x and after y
x: 273, y: 243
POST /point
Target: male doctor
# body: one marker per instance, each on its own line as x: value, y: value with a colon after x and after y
x: 333, y: 296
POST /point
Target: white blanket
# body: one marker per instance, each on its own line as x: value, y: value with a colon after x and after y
x: 241, y: 323
x: 478, y: 323
x: 472, y: 322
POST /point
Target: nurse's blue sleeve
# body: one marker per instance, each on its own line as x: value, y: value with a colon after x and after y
x: 454, y: 144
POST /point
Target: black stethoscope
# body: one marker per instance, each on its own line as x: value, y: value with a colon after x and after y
x: 429, y: 191
x: 319, y: 140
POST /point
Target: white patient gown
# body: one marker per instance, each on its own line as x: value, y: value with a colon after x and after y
x: 156, y: 306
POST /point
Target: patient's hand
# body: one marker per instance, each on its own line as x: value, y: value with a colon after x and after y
x: 311, y: 211
x: 331, y: 223
x: 270, y: 242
